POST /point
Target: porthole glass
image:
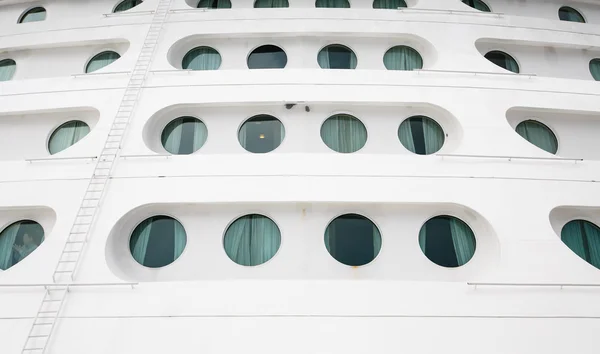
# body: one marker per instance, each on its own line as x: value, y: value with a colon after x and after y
x: 583, y: 238
x: 344, y: 133
x: 158, y: 241
x: 267, y: 57
x: 447, y: 241
x: 566, y: 13
x: 262, y: 4
x: 339, y: 4
x: 388, y: 4
x: 353, y: 240
x: 7, y: 69
x: 101, y: 60
x: 201, y: 58
x: 34, y: 15
x: 252, y: 240
x: 261, y: 134
x: 214, y: 4
x: 126, y: 5
x: 18, y: 240
x: 421, y: 135
x: 402, y: 58
x: 503, y: 60
x: 337, y: 56
x: 539, y: 135
x: 67, y: 135
x: 478, y: 5
x: 184, y: 136
x: 594, y: 68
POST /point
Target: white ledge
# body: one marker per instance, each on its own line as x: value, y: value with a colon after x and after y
x: 554, y: 285
x: 510, y: 158
x: 474, y: 73
x: 47, y: 159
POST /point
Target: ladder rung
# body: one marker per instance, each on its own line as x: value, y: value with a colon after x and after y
x: 63, y: 271
x: 51, y: 300
x: 69, y: 241
x: 48, y: 312
x: 61, y: 261
x: 39, y: 335
x: 71, y: 251
x: 32, y: 349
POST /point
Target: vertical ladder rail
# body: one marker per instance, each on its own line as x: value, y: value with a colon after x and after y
x: 48, y: 313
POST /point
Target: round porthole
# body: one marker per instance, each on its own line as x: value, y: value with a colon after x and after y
x: 101, y: 60
x: 569, y: 14
x: 334, y: 4
x: 389, y: 4
x: 184, y: 135
x: 337, y: 56
x: 402, y: 58
x: 261, y: 134
x: 267, y: 57
x: 503, y: 60
x: 34, y: 15
x: 421, y: 135
x: 157, y: 241
x: 539, y: 135
x: 447, y: 241
x: 214, y: 4
x: 126, y: 5
x: 594, y: 68
x: 67, y: 135
x: 353, y: 240
x: 264, y: 4
x: 252, y: 240
x: 477, y: 4
x: 344, y: 133
x: 201, y: 58
x: 18, y: 241
x: 7, y: 69
x: 583, y: 238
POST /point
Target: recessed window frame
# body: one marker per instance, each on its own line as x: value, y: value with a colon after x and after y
x: 448, y: 215
x: 347, y: 114
x: 266, y: 45
x: 506, y: 54
x: 255, y: 116
x: 337, y: 45
x: 251, y: 213
x: 537, y: 121
x: 168, y: 215
x: 16, y: 68
x: 88, y: 62
x: 61, y: 125
x: 337, y: 216
x: 120, y: 2
x: 28, y: 11
x: 11, y: 223
x: 570, y: 8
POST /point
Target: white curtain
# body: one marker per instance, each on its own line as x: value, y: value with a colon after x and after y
x: 34, y: 15
x: 333, y: 3
x: 139, y: 240
x: 463, y: 240
x: 271, y: 3
x: 344, y: 133
x: 402, y: 58
x: 202, y: 58
x: 539, y: 135
x: 180, y: 239
x: 7, y: 242
x: 214, y: 4
x: 67, y: 135
x: 405, y: 135
x: 595, y: 69
x: 252, y: 240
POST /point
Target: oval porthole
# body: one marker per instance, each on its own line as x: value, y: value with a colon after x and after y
x: 447, y: 241
x: 344, y: 133
x: 334, y: 4
x: 261, y: 134
x: 101, y: 60
x: 389, y: 4
x: 353, y: 240
x: 337, y: 56
x: 539, y: 135
x: 266, y: 4
x: 18, y: 241
x: 157, y: 241
x: 402, y: 58
x: 7, y: 69
x: 503, y: 60
x: 267, y: 57
x: 583, y: 238
x: 201, y: 58
x: 477, y: 5
x: 214, y: 4
x: 595, y: 68
x: 252, y: 240
x: 421, y: 135
x: 184, y: 135
x: 34, y: 15
x: 569, y: 14
x: 67, y: 135
x: 126, y: 5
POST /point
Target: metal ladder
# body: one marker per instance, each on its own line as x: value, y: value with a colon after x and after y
x: 47, y: 315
